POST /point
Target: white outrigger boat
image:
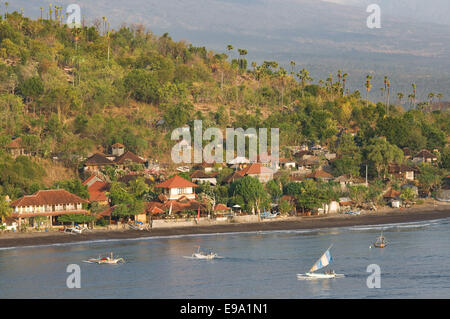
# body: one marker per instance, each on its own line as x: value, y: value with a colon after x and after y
x: 323, y: 261
x: 202, y: 255
x: 106, y: 260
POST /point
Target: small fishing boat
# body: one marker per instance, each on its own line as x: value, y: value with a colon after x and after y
x: 381, y: 242
x: 323, y: 261
x: 202, y: 255
x: 106, y: 260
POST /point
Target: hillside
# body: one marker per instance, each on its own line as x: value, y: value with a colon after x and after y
x: 71, y: 92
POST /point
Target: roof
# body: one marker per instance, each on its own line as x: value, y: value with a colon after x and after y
x: 424, y: 154
x: 48, y: 197
x: 391, y: 193
x: 400, y: 168
x: 16, y: 143
x: 201, y: 174
x: 255, y: 168
x: 232, y: 177
x: 126, y: 179
x: 130, y: 156
x: 97, y: 160
x: 319, y: 174
x: 219, y: 207
x: 91, y: 180
x: 118, y: 145
x: 176, y: 182
x: 97, y: 192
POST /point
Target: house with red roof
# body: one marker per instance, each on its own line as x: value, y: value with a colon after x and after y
x: 50, y: 203
x: 320, y: 175
x: 16, y: 148
x: 177, y: 187
x: 257, y: 170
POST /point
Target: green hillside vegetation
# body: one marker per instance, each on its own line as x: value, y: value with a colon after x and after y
x: 70, y: 92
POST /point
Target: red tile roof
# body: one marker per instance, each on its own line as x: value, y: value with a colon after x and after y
x: 391, y: 193
x: 97, y: 192
x: 97, y: 160
x: 17, y: 143
x: 118, y: 145
x: 220, y: 207
x: 424, y: 154
x: 48, y: 197
x: 129, y: 156
x: 320, y: 174
x: 176, y: 182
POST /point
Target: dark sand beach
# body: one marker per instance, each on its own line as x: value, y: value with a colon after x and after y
x: 437, y: 210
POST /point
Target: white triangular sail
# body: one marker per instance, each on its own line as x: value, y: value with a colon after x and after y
x: 323, y: 261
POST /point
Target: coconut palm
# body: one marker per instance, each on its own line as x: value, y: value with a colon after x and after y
x: 230, y: 48
x: 292, y: 63
x: 414, y: 86
x: 400, y: 96
x: 368, y: 87
x: 304, y: 77
x: 344, y: 78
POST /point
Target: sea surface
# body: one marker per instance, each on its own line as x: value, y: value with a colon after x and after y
x: 415, y: 264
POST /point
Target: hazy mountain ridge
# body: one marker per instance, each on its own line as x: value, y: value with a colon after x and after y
x: 323, y: 35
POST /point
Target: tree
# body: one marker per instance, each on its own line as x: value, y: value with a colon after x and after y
x: 73, y: 186
x: 429, y: 178
x: 5, y: 209
x: 251, y: 191
x: 368, y: 87
x: 381, y: 153
x: 274, y: 190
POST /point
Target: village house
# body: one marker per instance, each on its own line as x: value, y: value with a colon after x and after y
x: 320, y: 175
x: 15, y: 148
x: 257, y: 170
x: 97, y: 162
x: 177, y: 187
x: 49, y: 203
x: 97, y: 189
x: 119, y: 158
x: 201, y: 177
x: 287, y: 163
x: 402, y: 171
x: 392, y: 197
x: 232, y: 177
x: 424, y: 156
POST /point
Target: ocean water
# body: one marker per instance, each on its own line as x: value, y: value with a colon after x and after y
x: 416, y: 264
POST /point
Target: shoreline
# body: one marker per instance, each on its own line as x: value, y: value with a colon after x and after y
x: 384, y: 216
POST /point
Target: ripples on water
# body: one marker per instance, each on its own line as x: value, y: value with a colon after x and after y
x: 255, y: 265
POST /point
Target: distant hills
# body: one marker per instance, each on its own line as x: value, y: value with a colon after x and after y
x: 320, y: 35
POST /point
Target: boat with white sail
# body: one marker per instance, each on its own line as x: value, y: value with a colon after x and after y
x: 323, y: 261
x: 203, y: 255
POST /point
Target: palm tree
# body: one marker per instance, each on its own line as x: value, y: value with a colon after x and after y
x: 385, y: 89
x: 230, y: 48
x: 304, y: 77
x: 292, y: 67
x: 388, y: 95
x: 6, y: 5
x: 430, y: 97
x: 368, y: 87
x: 344, y: 78
x: 41, y: 11
x: 400, y: 96
x: 242, y: 52
x: 414, y: 86
x: 439, y: 96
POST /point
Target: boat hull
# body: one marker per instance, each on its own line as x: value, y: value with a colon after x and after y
x: 319, y: 276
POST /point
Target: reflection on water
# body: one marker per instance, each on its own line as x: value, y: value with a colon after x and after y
x: 255, y: 265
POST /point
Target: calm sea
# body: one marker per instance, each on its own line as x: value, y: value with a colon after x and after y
x: 416, y: 264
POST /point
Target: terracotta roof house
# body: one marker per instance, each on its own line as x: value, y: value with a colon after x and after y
x: 320, y: 175
x: 232, y: 177
x: 201, y: 177
x: 117, y: 149
x: 48, y: 203
x: 287, y: 163
x: 92, y: 179
x: 15, y: 148
x: 126, y: 179
x: 425, y: 156
x: 177, y: 187
x: 262, y: 173
x: 96, y: 162
x: 97, y: 192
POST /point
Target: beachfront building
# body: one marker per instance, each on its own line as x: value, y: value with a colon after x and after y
x: 49, y: 203
x: 97, y: 189
x: 177, y: 187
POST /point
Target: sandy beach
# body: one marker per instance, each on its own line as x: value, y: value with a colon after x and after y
x: 429, y: 211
